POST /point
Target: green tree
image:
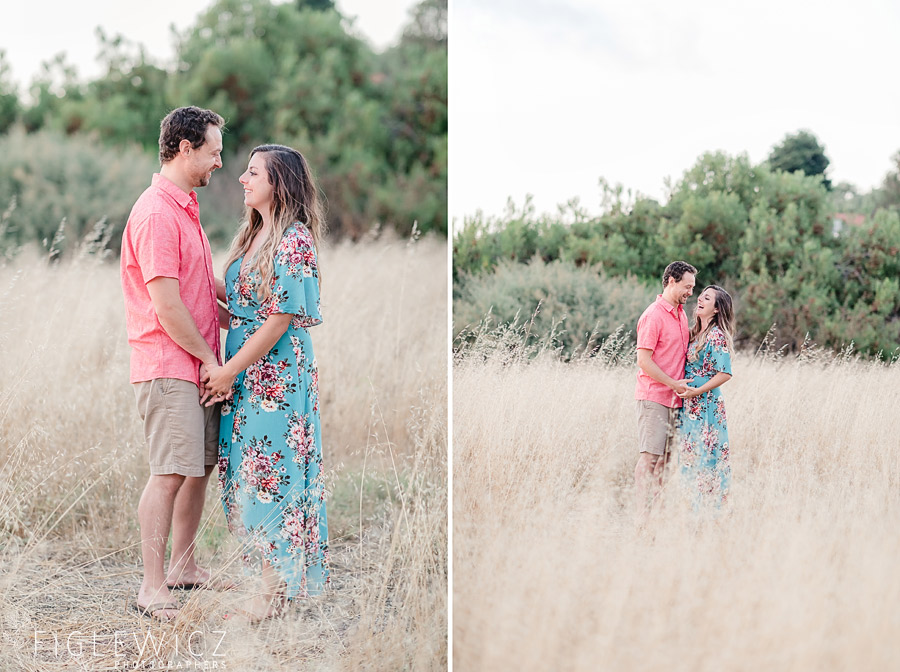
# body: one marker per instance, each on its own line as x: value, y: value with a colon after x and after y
x: 54, y: 177
x: 889, y: 194
x: 373, y: 126
x: 125, y: 105
x: 414, y: 93
x: 54, y: 91
x: 706, y: 234
x: 624, y: 240
x: 427, y: 24
x: 869, y: 289
x: 801, y: 151
x: 9, y: 96
x: 273, y: 71
x: 318, y: 5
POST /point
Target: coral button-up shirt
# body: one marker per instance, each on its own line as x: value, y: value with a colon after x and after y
x: 163, y: 238
x: 663, y: 328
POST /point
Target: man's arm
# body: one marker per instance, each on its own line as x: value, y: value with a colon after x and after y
x: 177, y: 321
x: 651, y: 368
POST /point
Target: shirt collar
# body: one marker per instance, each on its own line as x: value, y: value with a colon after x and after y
x: 186, y: 201
x: 668, y: 306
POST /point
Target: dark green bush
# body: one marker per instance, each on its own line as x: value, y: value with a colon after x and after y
x: 373, y: 125
x: 51, y: 177
x: 572, y: 306
x: 766, y: 236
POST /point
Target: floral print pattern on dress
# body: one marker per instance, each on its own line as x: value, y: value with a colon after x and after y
x: 270, y: 448
x: 703, y: 453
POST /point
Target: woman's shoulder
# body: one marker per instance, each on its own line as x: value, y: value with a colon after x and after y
x: 297, y: 249
x: 296, y: 238
x: 717, y: 337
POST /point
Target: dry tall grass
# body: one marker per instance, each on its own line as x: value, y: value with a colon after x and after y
x: 551, y: 572
x: 72, y: 467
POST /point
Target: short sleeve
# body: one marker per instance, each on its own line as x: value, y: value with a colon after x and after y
x: 720, y: 355
x: 295, y: 283
x: 156, y: 245
x: 647, y: 331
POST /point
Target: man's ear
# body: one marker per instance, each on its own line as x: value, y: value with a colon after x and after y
x: 184, y: 146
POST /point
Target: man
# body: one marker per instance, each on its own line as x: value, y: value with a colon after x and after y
x: 172, y: 318
x: 663, y: 335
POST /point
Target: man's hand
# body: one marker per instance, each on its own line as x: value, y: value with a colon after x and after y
x: 207, y: 392
x: 217, y: 384
x: 689, y: 392
x: 679, y: 387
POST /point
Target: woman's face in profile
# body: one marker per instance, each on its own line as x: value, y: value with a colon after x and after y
x: 257, y: 189
x: 706, y: 304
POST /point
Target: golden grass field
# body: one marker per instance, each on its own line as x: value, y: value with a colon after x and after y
x: 72, y: 467
x: 550, y: 571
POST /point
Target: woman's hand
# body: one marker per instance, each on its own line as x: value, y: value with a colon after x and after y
x: 216, y: 382
x: 690, y: 392
x: 680, y: 386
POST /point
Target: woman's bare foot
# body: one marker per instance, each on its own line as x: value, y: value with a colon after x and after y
x: 261, y: 607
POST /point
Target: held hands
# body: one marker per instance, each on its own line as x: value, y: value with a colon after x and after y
x: 215, y: 384
x: 681, y: 386
x: 689, y: 392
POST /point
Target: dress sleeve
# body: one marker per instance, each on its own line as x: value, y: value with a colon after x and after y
x: 295, y: 283
x: 721, y: 357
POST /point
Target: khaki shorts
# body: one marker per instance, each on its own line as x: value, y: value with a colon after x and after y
x: 656, y: 427
x: 182, y: 435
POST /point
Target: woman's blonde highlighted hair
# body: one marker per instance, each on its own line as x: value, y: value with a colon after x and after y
x: 295, y: 198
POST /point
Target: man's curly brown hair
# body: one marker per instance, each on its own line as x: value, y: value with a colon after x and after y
x: 185, y: 123
x: 676, y: 271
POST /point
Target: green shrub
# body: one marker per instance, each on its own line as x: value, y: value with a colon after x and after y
x: 572, y: 306
x: 50, y: 177
x: 868, y: 287
x: 518, y: 235
x: 765, y: 236
x: 373, y: 125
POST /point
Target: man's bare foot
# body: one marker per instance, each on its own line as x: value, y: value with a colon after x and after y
x: 158, y: 603
x: 197, y: 577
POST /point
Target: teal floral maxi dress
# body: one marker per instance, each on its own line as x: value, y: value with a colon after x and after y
x: 270, y: 455
x: 702, y: 431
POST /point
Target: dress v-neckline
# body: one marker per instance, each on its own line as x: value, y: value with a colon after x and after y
x: 247, y: 253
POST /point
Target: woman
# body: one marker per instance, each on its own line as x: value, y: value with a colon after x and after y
x: 270, y: 458
x: 703, y: 433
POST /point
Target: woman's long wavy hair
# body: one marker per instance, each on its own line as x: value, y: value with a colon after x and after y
x: 295, y: 198
x: 722, y: 318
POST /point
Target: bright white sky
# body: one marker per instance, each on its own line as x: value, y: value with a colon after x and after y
x: 546, y: 96
x: 33, y: 31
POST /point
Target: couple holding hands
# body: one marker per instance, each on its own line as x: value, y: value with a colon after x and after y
x: 681, y: 367
x: 256, y: 416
